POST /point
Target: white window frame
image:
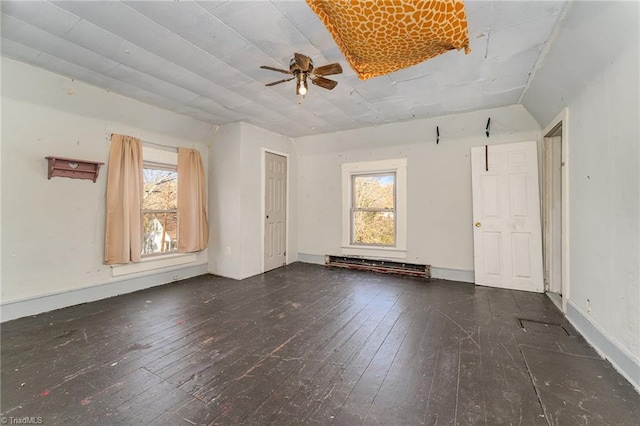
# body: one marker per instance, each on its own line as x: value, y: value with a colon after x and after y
x: 355, y: 208
x: 159, y: 158
x: 397, y: 166
x: 151, y: 264
x: 167, y: 167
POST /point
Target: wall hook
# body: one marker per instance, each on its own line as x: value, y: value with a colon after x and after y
x: 488, y: 128
x: 438, y: 135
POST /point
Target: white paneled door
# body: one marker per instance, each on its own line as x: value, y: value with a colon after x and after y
x: 275, y: 225
x: 507, y: 238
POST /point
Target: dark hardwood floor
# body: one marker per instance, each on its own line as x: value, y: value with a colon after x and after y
x: 307, y: 344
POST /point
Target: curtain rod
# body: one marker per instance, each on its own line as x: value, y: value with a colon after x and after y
x: 169, y: 147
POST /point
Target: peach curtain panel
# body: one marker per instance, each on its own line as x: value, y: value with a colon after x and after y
x: 123, y: 233
x: 193, y: 230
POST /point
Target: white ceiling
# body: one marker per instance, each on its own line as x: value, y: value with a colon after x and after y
x: 202, y: 59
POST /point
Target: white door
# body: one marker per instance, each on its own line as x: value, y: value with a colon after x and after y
x: 507, y: 239
x: 275, y: 229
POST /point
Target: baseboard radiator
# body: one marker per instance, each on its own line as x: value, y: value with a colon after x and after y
x: 381, y: 266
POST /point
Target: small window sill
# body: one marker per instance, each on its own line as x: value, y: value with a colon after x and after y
x: 152, y: 263
x: 380, y: 252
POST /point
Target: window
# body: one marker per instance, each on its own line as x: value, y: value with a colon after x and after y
x: 160, y: 209
x: 161, y: 246
x: 373, y: 219
x: 374, y: 208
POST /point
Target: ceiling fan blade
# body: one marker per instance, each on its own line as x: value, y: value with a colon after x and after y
x: 281, y: 81
x: 303, y: 61
x: 330, y: 69
x: 325, y: 83
x: 265, y: 67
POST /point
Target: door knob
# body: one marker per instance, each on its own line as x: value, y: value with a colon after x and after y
x: 478, y: 224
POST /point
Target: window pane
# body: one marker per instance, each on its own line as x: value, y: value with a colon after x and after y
x: 374, y: 191
x: 160, y: 232
x: 374, y: 228
x: 160, y: 189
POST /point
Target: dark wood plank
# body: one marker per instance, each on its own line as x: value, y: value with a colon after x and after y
x: 572, y: 389
x: 509, y: 396
x: 305, y: 344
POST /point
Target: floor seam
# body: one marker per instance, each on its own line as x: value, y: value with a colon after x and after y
x: 535, y: 388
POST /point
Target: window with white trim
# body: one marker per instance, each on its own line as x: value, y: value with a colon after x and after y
x: 159, y: 202
x: 159, y: 209
x: 373, y: 219
x: 374, y: 208
x: 160, y: 165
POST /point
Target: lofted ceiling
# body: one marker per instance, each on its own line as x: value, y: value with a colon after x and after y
x: 202, y: 59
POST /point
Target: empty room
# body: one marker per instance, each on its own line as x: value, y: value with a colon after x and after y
x: 323, y: 212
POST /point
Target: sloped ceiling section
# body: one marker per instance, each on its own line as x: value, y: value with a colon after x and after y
x: 559, y: 78
x: 202, y: 59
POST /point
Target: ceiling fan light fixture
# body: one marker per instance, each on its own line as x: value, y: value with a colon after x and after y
x: 301, y: 70
x: 301, y: 84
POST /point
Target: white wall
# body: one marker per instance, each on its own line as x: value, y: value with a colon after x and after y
x: 52, y: 230
x: 225, y: 187
x: 237, y: 200
x: 605, y: 203
x: 254, y: 140
x: 439, y: 180
x: 593, y: 70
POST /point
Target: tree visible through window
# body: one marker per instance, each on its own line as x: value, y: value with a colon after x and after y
x: 373, y: 209
x: 160, y: 209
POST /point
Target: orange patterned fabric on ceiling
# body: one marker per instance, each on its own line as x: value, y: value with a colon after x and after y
x: 378, y: 37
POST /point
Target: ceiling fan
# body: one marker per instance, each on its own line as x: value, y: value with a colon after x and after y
x: 302, y: 69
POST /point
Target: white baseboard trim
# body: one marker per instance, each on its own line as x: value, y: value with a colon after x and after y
x: 49, y: 302
x: 317, y: 259
x: 619, y: 357
x: 453, y: 274
x: 556, y: 299
x: 439, y: 273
